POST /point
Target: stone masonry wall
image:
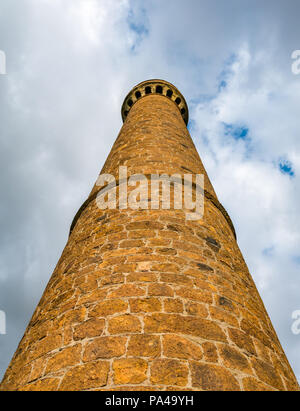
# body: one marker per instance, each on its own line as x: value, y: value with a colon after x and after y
x: 146, y: 300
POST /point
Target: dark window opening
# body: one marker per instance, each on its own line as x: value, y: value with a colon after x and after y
x: 178, y: 100
x: 125, y: 113
x: 182, y: 111
x: 148, y: 90
x: 138, y: 94
x: 159, y: 89
x: 130, y: 102
x: 169, y: 93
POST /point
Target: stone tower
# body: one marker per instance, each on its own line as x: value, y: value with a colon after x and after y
x: 146, y: 299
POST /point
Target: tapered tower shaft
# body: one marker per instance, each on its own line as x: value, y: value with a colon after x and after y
x: 145, y: 299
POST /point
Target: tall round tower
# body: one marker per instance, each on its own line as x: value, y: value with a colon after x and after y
x: 145, y: 298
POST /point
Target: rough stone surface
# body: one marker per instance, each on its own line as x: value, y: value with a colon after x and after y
x: 213, y: 378
x: 130, y: 371
x: 146, y: 299
x: 86, y: 376
x: 144, y: 345
x: 179, y: 347
x: 169, y: 372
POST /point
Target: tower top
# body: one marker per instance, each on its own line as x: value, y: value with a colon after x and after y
x: 155, y: 86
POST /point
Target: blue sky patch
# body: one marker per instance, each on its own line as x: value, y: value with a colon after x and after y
x: 226, y: 73
x: 222, y: 85
x: 140, y: 29
x: 137, y: 23
x: 191, y: 124
x: 269, y: 251
x: 286, y: 167
x: 296, y: 259
x: 237, y: 132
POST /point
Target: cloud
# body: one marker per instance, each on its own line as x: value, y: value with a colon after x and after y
x: 69, y: 66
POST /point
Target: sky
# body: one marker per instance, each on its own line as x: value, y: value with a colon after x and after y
x: 69, y: 65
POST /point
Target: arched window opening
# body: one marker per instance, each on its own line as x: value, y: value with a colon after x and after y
x: 159, y: 89
x: 170, y: 93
